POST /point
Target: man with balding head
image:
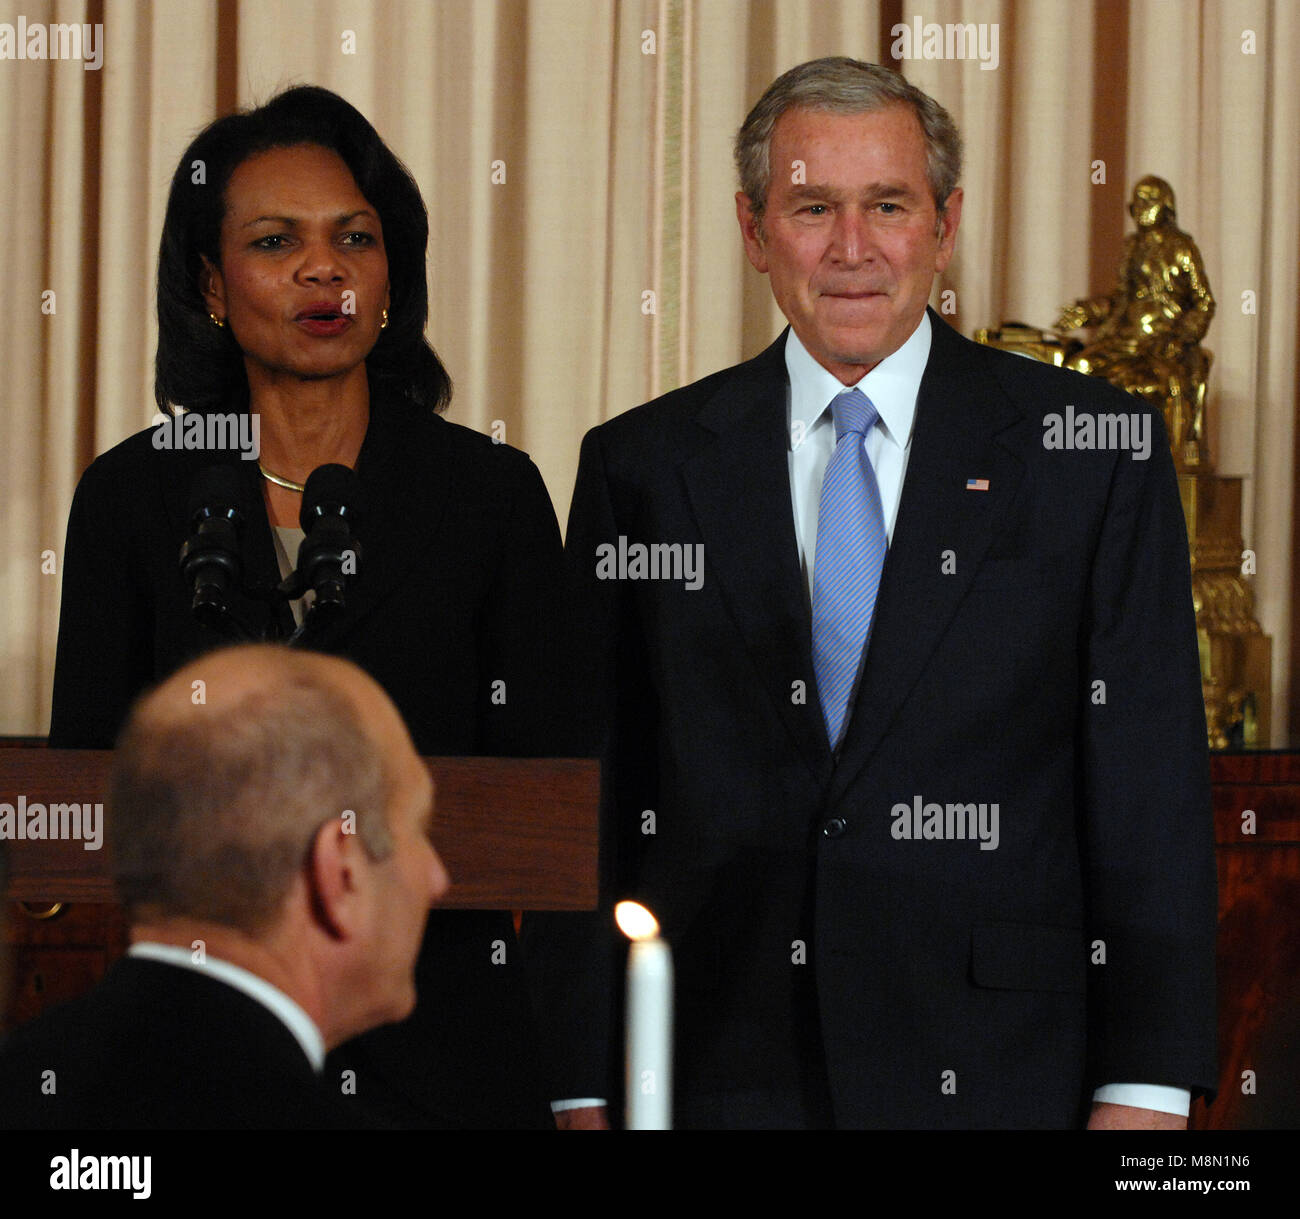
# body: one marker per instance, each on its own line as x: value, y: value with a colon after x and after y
x: 270, y: 841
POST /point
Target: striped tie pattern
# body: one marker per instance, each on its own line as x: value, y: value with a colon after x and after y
x: 851, y: 547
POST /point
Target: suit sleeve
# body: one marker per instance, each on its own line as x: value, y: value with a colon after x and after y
x: 520, y: 628
x: 104, y: 654
x: 1147, y: 828
x: 575, y: 956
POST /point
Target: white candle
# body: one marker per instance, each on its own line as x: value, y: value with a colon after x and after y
x: 649, y: 1085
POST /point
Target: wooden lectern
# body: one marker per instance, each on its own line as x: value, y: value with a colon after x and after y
x: 513, y: 833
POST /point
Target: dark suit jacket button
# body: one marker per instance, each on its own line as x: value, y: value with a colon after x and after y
x: 835, y: 827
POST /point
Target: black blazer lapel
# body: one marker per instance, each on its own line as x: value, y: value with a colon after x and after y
x: 960, y: 411
x: 739, y: 490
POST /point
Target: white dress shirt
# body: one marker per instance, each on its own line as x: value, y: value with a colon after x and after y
x: 287, y: 540
x: 892, y: 386
x: 275, y: 1000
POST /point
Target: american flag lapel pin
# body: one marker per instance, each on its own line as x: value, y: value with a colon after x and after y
x: 977, y: 484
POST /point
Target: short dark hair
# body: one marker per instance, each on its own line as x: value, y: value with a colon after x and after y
x: 199, y: 366
x: 844, y: 86
x: 210, y: 817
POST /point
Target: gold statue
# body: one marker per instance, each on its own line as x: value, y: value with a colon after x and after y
x: 1149, y: 330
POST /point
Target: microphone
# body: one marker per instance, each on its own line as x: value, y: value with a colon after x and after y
x: 210, y: 559
x: 329, y: 552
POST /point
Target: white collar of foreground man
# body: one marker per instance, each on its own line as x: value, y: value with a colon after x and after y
x: 294, y: 1018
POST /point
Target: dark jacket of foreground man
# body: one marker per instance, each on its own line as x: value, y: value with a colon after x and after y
x: 161, y: 1047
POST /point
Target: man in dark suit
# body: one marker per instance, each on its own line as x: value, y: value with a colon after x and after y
x: 915, y: 776
x: 269, y: 828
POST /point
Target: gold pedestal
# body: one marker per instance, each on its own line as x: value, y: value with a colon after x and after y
x: 1236, y: 656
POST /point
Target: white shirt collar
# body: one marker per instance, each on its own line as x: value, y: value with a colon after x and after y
x: 892, y: 386
x: 294, y: 1018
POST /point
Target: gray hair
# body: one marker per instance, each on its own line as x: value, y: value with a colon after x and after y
x: 844, y: 86
x: 211, y: 817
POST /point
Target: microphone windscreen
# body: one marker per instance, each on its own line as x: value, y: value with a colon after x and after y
x: 331, y: 490
x: 216, y: 490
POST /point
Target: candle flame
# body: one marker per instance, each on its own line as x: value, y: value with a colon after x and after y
x: 635, y: 921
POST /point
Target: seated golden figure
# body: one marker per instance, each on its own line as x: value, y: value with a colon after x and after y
x: 1148, y: 332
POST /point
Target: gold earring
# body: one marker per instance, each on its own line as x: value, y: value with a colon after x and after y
x: 217, y: 321
x: 383, y: 318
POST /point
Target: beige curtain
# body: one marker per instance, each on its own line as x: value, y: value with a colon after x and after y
x: 602, y: 265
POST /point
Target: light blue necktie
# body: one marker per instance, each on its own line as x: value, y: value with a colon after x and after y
x: 851, y: 547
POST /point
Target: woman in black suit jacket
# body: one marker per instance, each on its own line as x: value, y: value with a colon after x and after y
x: 292, y: 293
